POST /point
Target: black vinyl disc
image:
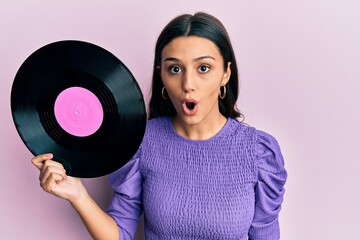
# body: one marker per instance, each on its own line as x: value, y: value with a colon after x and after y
x: 78, y: 101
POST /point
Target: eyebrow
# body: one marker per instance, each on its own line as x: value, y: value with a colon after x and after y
x: 195, y: 60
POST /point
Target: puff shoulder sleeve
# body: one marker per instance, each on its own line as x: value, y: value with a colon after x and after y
x: 269, y: 189
x: 126, y: 204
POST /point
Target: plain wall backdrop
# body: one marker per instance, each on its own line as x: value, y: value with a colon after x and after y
x: 299, y: 64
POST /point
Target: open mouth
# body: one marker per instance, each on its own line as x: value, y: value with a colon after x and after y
x: 190, y: 105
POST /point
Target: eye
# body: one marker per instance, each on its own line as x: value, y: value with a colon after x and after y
x: 204, y: 68
x: 174, y: 69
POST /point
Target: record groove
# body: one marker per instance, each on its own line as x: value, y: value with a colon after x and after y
x: 61, y: 65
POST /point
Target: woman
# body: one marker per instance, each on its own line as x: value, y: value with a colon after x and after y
x: 199, y: 172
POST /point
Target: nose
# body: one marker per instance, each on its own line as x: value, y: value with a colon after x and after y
x: 188, y: 82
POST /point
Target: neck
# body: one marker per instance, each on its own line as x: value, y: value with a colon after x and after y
x: 203, y: 130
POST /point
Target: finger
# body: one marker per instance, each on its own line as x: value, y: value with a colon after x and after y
x: 52, y: 170
x: 40, y: 159
x: 50, y: 167
x: 50, y: 183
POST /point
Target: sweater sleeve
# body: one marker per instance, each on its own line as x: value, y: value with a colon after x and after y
x: 126, y: 204
x: 269, y: 189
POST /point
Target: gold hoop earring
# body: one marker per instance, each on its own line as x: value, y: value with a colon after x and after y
x: 222, y: 96
x: 163, y: 93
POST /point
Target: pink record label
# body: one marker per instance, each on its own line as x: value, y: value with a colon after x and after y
x: 78, y: 111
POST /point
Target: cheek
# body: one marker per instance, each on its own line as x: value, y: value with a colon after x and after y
x: 172, y: 84
x: 212, y: 90
x: 172, y: 89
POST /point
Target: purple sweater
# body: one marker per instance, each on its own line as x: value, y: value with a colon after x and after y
x: 230, y: 186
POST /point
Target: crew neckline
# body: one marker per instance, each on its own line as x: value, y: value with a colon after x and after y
x: 220, y: 133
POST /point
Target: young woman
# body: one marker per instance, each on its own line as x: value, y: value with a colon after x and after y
x: 199, y: 172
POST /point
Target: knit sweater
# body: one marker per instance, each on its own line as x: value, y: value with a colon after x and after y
x: 230, y: 186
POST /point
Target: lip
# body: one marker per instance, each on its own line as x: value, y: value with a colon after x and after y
x: 186, y: 110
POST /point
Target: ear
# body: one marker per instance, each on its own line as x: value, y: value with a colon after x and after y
x: 227, y: 74
x: 158, y: 69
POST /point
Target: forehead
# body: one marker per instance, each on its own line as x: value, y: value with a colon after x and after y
x: 190, y: 47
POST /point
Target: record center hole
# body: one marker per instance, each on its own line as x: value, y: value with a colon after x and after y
x: 77, y: 112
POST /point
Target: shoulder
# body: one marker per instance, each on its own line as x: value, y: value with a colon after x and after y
x: 260, y: 139
x: 240, y: 129
x: 157, y: 129
x: 268, y: 153
x: 257, y: 135
x: 157, y: 125
x: 266, y: 140
x: 264, y: 146
x: 157, y: 122
x: 240, y: 132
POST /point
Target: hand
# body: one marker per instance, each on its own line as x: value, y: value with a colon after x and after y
x: 53, y: 179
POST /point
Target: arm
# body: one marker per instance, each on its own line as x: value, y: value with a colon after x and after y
x: 269, y: 189
x: 126, y: 205
x: 99, y: 224
x: 53, y: 179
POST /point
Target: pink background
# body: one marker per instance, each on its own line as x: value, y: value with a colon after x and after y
x: 299, y: 65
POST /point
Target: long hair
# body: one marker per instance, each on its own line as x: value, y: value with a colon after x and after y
x: 205, y: 26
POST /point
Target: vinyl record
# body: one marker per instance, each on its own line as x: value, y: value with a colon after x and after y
x: 79, y: 102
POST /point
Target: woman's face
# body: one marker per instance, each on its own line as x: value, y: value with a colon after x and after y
x: 192, y: 71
